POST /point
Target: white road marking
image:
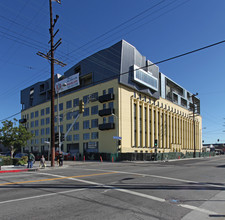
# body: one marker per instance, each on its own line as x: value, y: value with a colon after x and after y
x: 156, y: 176
x: 136, y: 194
x: 198, y: 209
x: 40, y: 196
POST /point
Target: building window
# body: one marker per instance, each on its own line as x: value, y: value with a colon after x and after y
x: 69, y: 104
x: 104, y: 120
x: 94, y: 97
x: 86, y: 136
x: 47, y: 120
x: 104, y: 106
x: 61, y: 128
x: 86, y: 112
x: 76, y: 126
x: 94, y: 110
x: 61, y: 117
x: 111, y: 119
x: 104, y: 92
x: 85, y: 99
x: 36, y: 132
x: 76, y: 137
x: 94, y: 123
x: 47, y: 110
x: 110, y: 90
x: 32, y: 115
x: 47, y: 131
x: 42, y: 112
x: 68, y: 126
x: 69, y: 138
x: 76, y: 102
x: 36, y: 114
x: 31, y: 96
x: 60, y: 106
x: 55, y: 108
x: 68, y: 116
x: 111, y: 105
x: 94, y: 135
x: 32, y: 124
x: 42, y: 131
x: 36, y: 123
x: 42, y: 121
x: 86, y: 124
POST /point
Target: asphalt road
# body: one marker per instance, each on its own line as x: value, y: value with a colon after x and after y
x: 184, y: 189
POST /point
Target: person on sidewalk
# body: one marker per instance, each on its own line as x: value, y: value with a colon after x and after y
x: 42, y: 162
x: 60, y: 159
x: 31, y: 158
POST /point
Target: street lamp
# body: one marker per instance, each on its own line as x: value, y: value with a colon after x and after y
x: 193, y: 103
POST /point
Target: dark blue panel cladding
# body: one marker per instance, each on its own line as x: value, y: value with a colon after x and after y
x: 104, y: 65
x: 130, y: 56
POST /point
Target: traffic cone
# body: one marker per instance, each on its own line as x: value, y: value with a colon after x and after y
x: 112, y: 159
x: 101, y: 158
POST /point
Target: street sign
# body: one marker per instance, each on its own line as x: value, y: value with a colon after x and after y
x: 116, y: 137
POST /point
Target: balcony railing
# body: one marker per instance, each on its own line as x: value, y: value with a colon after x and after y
x: 106, y: 98
x: 104, y: 112
x: 106, y: 126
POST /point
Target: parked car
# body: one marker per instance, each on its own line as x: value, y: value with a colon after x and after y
x: 20, y: 155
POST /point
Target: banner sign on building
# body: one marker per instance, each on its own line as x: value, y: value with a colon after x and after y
x: 68, y: 83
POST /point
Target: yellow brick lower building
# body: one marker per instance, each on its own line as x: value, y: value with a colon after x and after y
x: 123, y: 113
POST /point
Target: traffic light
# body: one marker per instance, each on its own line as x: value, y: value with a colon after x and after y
x: 56, y: 136
x: 119, y: 142
x: 156, y: 143
x: 62, y: 137
x: 81, y: 106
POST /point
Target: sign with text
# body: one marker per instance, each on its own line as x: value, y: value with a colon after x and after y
x: 68, y: 83
x: 116, y: 137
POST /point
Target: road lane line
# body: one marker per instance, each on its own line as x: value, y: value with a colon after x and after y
x: 154, y: 198
x: 198, y: 209
x: 58, y: 178
x: 40, y: 196
x: 156, y: 176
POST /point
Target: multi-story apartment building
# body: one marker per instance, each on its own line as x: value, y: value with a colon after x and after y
x: 129, y: 104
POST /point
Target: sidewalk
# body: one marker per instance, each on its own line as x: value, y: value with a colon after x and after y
x: 12, y: 168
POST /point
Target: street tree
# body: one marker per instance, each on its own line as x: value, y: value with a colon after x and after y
x: 14, y: 136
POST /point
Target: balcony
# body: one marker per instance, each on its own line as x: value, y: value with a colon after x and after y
x: 106, y: 98
x: 107, y: 111
x: 106, y: 126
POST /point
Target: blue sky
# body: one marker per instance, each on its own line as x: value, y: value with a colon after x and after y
x: 159, y: 29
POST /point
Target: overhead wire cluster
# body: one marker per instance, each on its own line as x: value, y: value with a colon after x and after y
x: 130, y: 25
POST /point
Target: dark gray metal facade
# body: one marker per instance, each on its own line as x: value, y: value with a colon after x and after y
x: 114, y: 62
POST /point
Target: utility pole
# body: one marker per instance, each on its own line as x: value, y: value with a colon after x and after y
x: 193, y: 104
x: 50, y: 56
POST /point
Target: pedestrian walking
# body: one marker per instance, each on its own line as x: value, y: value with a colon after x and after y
x: 60, y: 159
x: 42, y: 162
x: 31, y: 159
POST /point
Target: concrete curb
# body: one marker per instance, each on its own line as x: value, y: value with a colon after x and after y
x: 19, y: 170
